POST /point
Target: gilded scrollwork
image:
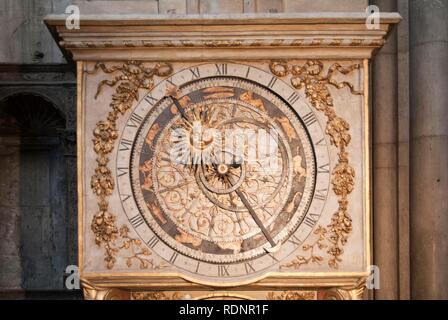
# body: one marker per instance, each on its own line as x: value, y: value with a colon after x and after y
x: 311, y: 77
x: 292, y: 295
x: 129, y: 78
x: 156, y: 295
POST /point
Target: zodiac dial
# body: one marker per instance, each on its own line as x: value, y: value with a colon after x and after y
x: 217, y: 171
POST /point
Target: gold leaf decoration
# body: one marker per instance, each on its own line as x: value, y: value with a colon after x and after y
x: 129, y: 78
x: 311, y: 77
x: 312, y: 257
x: 356, y: 292
x: 156, y: 295
x: 292, y: 295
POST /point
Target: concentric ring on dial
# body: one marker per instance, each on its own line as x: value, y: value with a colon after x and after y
x: 234, y: 257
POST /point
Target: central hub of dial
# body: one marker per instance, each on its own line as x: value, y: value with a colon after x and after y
x: 223, y: 169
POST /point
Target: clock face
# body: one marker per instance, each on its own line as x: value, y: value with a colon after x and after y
x: 225, y: 177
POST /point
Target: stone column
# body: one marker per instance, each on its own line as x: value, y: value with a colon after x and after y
x: 428, y: 22
x: 385, y: 134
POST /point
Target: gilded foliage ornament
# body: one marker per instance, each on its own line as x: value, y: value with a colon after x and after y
x: 312, y: 257
x: 129, y: 78
x: 156, y: 295
x: 292, y: 295
x: 311, y: 77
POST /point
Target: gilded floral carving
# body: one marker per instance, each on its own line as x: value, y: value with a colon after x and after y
x: 129, y: 78
x: 156, y: 295
x: 292, y: 295
x: 311, y: 77
x: 318, y: 244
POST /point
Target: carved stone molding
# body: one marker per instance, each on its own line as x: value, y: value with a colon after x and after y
x: 37, y: 75
x: 298, y: 35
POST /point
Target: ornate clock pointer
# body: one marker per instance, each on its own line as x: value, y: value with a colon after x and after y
x: 275, y: 246
x: 173, y: 93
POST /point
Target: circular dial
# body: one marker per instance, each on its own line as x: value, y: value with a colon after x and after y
x: 217, y: 181
x: 220, y: 178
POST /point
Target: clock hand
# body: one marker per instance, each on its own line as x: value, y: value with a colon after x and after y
x: 180, y: 109
x: 275, y: 246
x: 172, y: 92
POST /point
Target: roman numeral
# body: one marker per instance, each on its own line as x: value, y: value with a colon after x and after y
x: 174, y: 257
x: 324, y: 168
x: 321, y: 194
x: 294, y: 240
x: 223, y: 271
x: 125, y: 145
x: 122, y: 171
x: 197, y: 267
x: 153, y: 241
x: 221, y: 68
x: 151, y: 100
x: 311, y: 219
x: 272, y: 82
x: 124, y: 197
x: 309, y: 119
x: 321, y: 142
x: 249, y: 268
x: 170, y: 81
x: 134, y: 121
x: 293, y: 98
x: 195, y: 72
x: 136, y: 221
x: 247, y: 73
x: 273, y: 257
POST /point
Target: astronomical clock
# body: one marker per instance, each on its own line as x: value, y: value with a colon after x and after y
x: 223, y: 158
